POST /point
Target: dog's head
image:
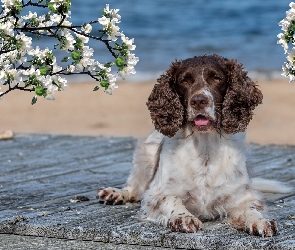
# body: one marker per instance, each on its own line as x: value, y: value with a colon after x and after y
x: 207, y: 93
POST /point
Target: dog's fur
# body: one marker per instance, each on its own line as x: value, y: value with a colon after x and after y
x: 193, y: 166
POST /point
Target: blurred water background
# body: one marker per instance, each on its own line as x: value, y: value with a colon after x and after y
x: 165, y: 30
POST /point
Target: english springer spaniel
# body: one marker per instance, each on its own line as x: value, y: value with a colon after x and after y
x: 193, y: 166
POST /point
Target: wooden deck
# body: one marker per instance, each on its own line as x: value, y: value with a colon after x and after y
x: 47, y: 198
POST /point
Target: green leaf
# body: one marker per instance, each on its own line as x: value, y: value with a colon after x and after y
x: 33, y: 80
x: 96, y: 88
x: 104, y: 83
x: 76, y: 55
x: 103, y: 74
x: 51, y: 7
x: 108, y: 65
x: 44, y: 71
x: 18, y: 56
x: 40, y: 91
x: 34, y: 100
x: 78, y: 44
x: 120, y: 62
x: 65, y: 59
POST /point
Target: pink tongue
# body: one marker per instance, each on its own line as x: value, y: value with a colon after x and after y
x: 201, y: 121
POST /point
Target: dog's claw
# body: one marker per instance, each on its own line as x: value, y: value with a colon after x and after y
x: 111, y: 196
x: 185, y: 224
x: 264, y: 228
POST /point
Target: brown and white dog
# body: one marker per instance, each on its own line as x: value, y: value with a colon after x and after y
x: 193, y: 166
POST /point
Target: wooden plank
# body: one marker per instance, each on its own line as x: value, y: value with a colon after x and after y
x: 41, y: 174
x: 12, y: 242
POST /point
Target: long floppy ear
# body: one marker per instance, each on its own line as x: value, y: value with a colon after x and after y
x: 165, y: 108
x: 241, y: 99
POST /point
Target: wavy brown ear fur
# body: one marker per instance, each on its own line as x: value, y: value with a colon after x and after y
x: 241, y: 99
x: 166, y: 111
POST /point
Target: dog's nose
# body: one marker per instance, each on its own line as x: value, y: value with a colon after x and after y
x: 199, y: 101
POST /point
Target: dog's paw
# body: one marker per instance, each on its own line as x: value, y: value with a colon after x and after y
x: 112, y: 196
x: 185, y: 224
x: 263, y: 227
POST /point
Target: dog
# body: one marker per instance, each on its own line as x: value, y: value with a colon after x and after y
x: 192, y: 168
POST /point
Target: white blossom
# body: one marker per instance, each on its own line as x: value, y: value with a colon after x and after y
x: 9, y: 4
x: 7, y: 27
x: 30, y: 16
x: 104, y: 21
x: 110, y: 27
x: 128, y: 42
x: 84, y: 39
x: 86, y: 57
x: 56, y: 18
x: 87, y: 29
x: 25, y: 41
x: 130, y: 64
x: 283, y: 42
x: 113, y: 31
x: 113, y: 12
x: 55, y: 68
x: 60, y: 81
x: 112, y: 84
x: 13, y: 75
x: 102, y: 67
x: 285, y: 39
x: 50, y: 88
x: 109, y: 23
x: 57, y: 3
x: 71, y: 68
x: 69, y: 41
x: 31, y: 71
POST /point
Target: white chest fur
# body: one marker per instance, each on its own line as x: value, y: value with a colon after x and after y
x: 202, y: 169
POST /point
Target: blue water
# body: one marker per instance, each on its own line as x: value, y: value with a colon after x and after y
x: 165, y: 30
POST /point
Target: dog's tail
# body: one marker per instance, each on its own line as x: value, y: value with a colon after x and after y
x: 270, y: 186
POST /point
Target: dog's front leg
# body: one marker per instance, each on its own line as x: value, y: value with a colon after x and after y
x: 248, y: 216
x: 169, y: 211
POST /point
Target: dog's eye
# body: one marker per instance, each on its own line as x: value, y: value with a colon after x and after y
x: 217, y: 79
x: 183, y: 82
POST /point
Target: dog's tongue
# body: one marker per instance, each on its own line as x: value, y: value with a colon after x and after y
x: 201, y: 121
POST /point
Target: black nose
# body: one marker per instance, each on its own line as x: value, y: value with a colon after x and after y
x: 199, y: 101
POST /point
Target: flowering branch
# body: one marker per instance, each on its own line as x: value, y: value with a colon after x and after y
x: 285, y: 39
x: 33, y: 69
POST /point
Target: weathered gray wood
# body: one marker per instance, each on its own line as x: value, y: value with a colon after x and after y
x: 17, y: 242
x: 42, y: 174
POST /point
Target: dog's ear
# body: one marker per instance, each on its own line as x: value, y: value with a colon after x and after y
x: 165, y: 108
x: 241, y: 99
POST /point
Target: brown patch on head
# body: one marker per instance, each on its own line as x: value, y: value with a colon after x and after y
x: 166, y: 111
x: 241, y: 99
x: 201, y: 83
